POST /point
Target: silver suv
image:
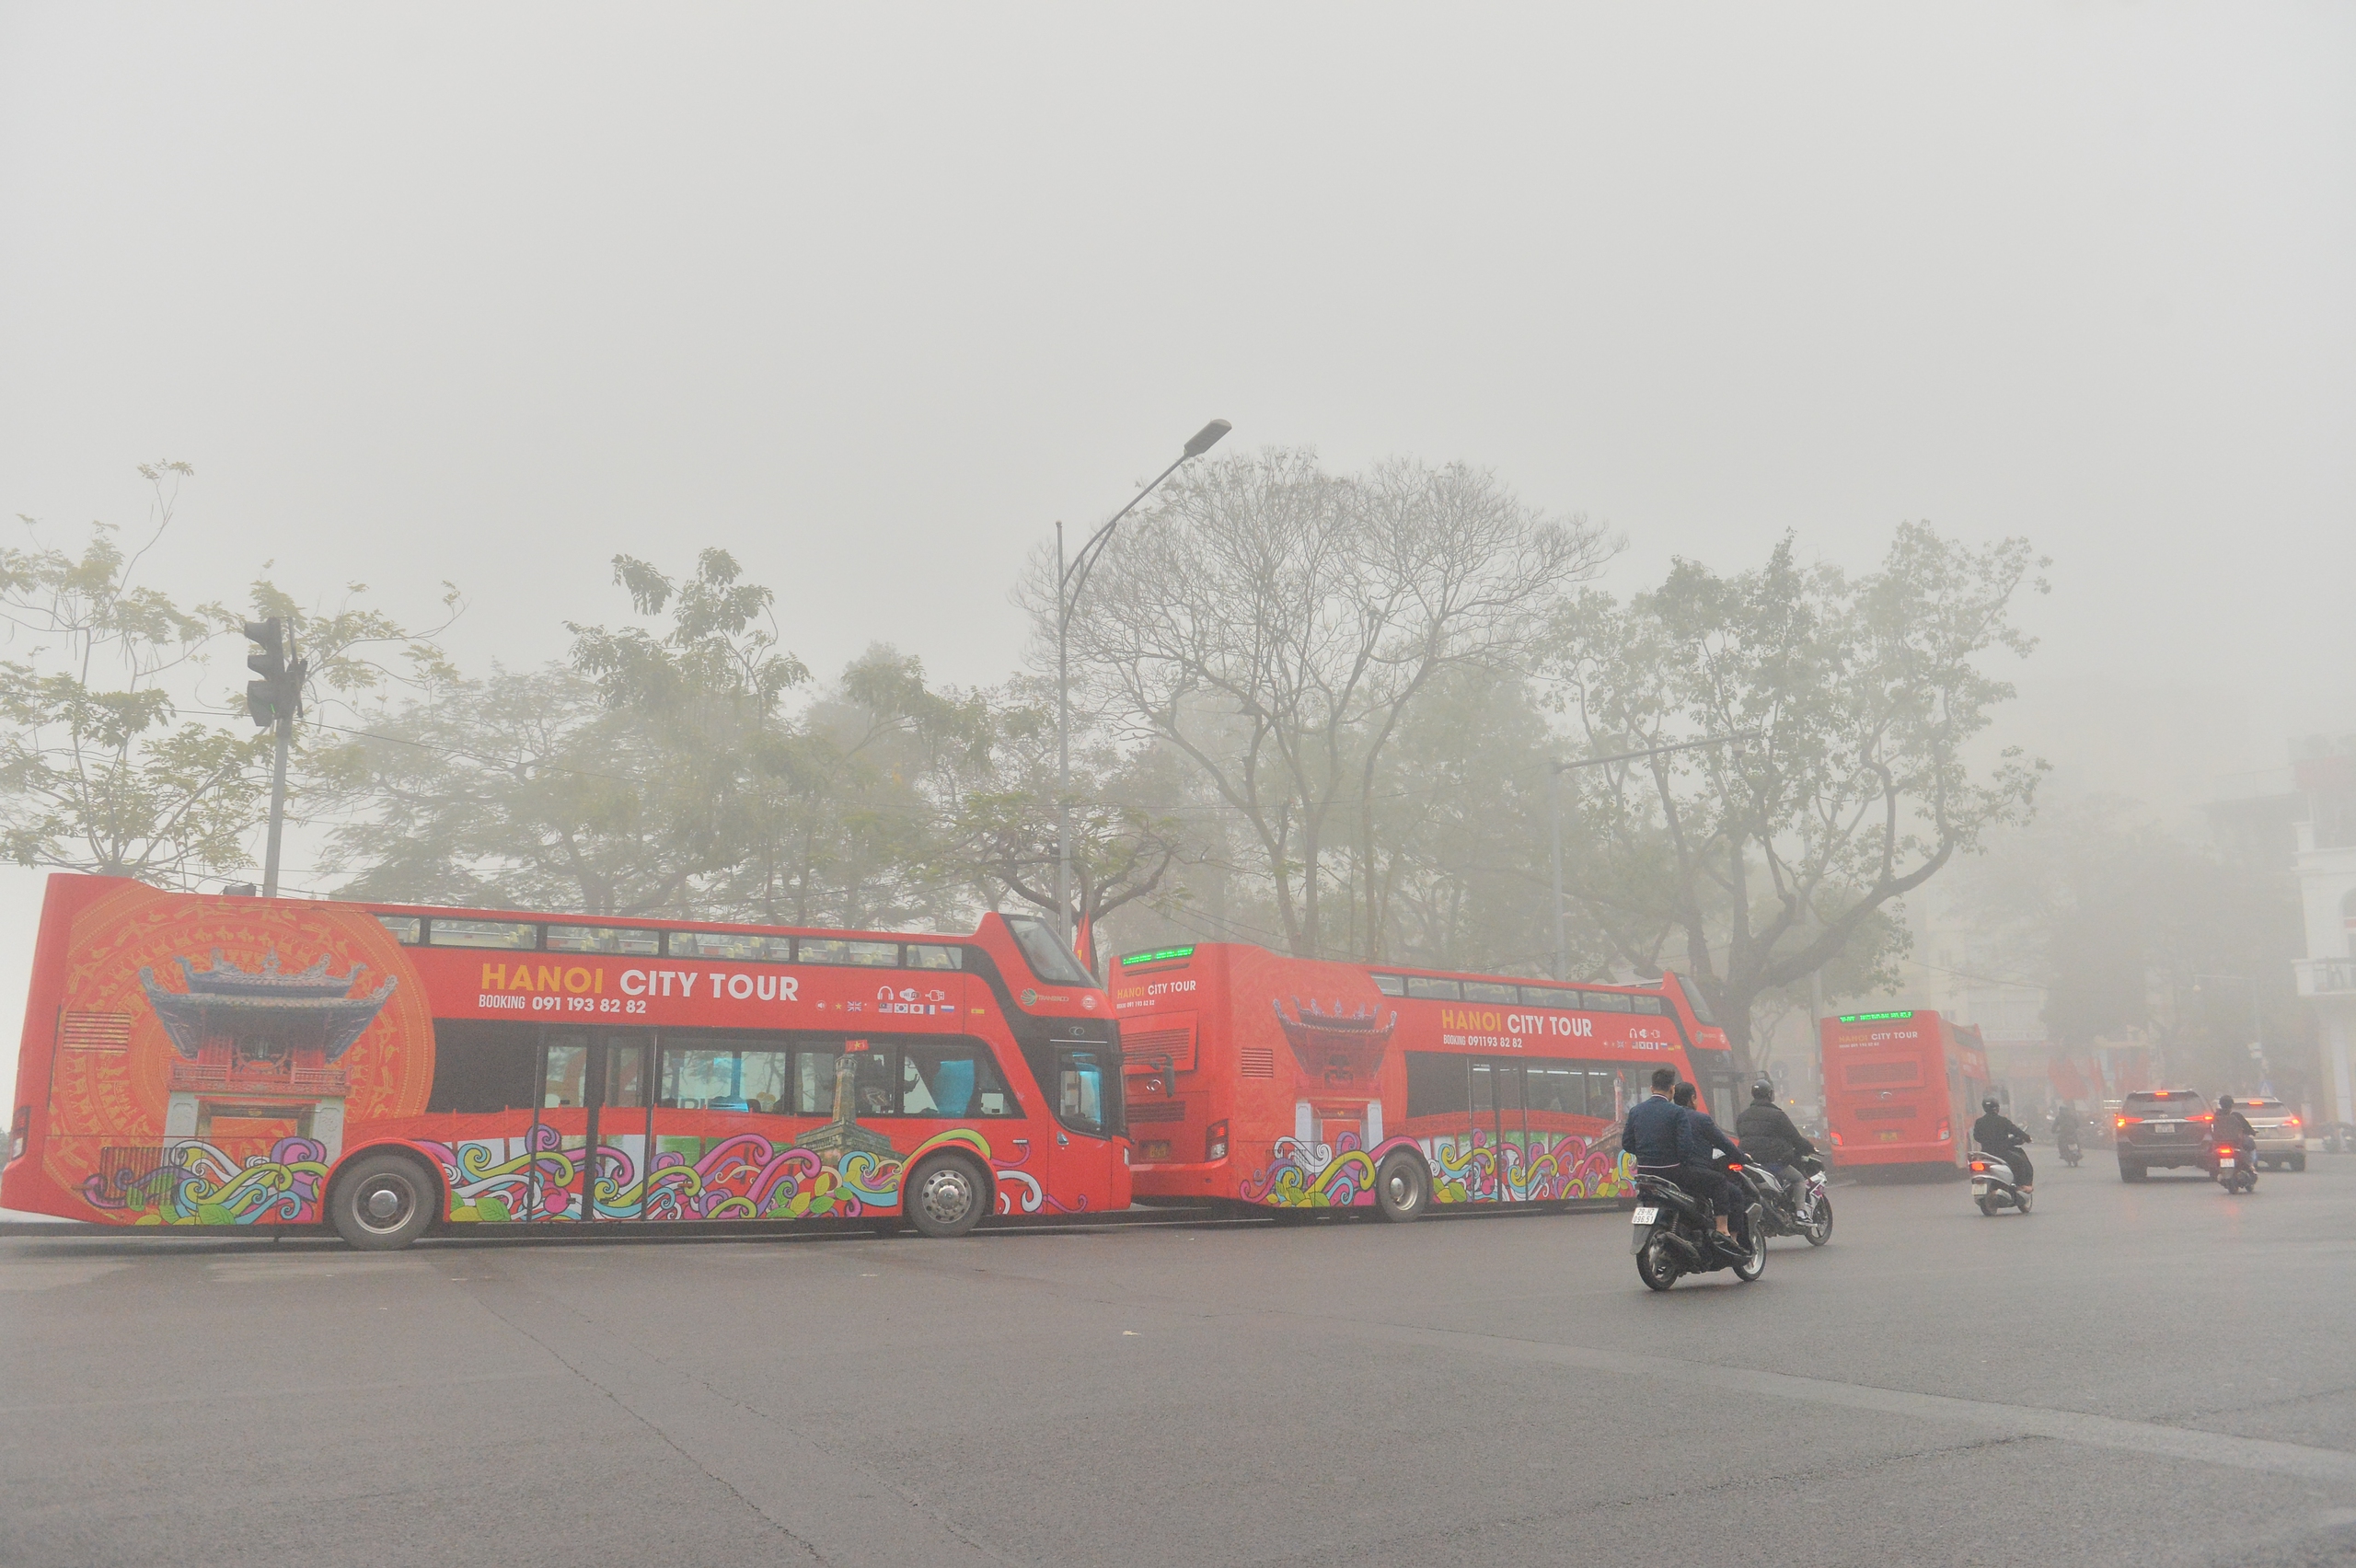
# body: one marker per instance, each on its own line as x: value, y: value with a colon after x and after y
x: 2282, y: 1141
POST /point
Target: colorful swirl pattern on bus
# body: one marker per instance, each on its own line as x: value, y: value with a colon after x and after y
x: 1533, y: 1167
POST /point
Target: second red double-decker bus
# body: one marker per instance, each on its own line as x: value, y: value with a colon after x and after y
x: 219, y: 1060
x: 1293, y: 1084
x: 1901, y: 1088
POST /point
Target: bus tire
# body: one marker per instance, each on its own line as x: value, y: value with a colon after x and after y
x: 1403, y: 1189
x: 945, y: 1196
x: 382, y: 1201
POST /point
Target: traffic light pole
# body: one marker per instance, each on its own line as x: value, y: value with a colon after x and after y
x: 277, y: 807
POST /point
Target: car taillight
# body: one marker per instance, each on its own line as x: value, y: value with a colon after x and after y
x: 1214, y: 1141
x: 2290, y: 1121
x: 2124, y: 1120
x: 2204, y: 1116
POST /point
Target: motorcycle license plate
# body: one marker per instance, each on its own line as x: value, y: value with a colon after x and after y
x: 1979, y: 1189
x: 1645, y: 1216
x: 2225, y: 1162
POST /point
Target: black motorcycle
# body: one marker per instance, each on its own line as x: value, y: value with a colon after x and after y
x: 1795, y: 1208
x: 1673, y: 1235
x: 2066, y: 1146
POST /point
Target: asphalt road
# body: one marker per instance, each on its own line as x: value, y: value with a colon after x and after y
x: 2150, y: 1375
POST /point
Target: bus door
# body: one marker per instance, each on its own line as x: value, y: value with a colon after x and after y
x: 1500, y: 1114
x: 1088, y: 1084
x: 592, y: 1130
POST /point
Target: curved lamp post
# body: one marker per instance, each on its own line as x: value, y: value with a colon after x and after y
x: 1071, y: 576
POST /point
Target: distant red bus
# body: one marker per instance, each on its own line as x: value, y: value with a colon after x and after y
x: 1283, y: 1083
x: 212, y: 1060
x: 1901, y: 1088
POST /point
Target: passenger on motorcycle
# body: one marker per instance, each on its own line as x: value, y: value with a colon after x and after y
x: 1655, y: 1135
x: 1995, y: 1134
x: 1707, y: 1150
x: 1770, y: 1136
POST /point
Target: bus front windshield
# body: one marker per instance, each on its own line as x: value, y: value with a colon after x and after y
x: 1044, y: 953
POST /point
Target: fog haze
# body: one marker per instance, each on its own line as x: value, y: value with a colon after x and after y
x: 872, y: 298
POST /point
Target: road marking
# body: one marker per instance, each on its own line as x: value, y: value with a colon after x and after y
x: 2332, y: 1466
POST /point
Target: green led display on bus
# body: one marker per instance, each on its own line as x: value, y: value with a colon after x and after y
x: 1158, y: 957
x: 1873, y: 1018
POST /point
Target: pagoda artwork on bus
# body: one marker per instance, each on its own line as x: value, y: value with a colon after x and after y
x: 196, y: 1060
x: 1287, y: 1083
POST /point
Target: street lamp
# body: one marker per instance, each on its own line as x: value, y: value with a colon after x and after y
x: 1071, y: 576
x: 1554, y: 818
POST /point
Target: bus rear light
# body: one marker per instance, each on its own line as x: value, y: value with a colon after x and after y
x: 1215, y: 1140
x: 22, y: 1131
x: 1945, y: 1133
x: 1836, y: 1139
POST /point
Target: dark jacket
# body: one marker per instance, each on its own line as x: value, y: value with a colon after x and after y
x: 1652, y: 1131
x: 1997, y: 1134
x: 2232, y: 1127
x: 1769, y: 1134
x: 1699, y: 1139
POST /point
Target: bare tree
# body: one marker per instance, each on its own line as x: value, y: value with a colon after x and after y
x: 1274, y: 624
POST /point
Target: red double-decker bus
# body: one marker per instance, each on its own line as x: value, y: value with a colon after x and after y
x: 1285, y: 1083
x: 1901, y: 1088
x: 216, y: 1060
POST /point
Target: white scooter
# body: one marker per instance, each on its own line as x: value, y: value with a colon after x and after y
x: 1992, y: 1187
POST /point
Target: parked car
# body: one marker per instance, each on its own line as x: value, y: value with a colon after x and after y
x: 2282, y: 1141
x: 2163, y: 1127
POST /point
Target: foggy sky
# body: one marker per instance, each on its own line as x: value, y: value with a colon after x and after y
x: 873, y: 296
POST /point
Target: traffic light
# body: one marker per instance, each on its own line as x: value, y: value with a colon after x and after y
x: 279, y: 694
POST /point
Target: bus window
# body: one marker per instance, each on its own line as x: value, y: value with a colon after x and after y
x: 1045, y: 953
x: 1440, y: 990
x: 508, y: 934
x: 565, y: 1082
x: 743, y: 946
x: 834, y: 949
x: 483, y: 1066
x: 604, y: 938
x: 1487, y: 991
x: 1081, y: 1103
x: 932, y: 955
x: 872, y: 1088
x: 952, y: 1081
x: 1391, y: 985
x: 1605, y: 1001
x: 1652, y: 1005
x: 1436, y: 1085
x: 1549, y: 996
x: 724, y: 1075
x: 408, y: 929
x: 1560, y: 1087
x: 1693, y: 1000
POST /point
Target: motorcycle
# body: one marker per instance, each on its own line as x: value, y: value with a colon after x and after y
x: 1672, y: 1234
x: 1992, y: 1187
x: 2067, y: 1148
x: 2235, y: 1172
x: 1795, y: 1208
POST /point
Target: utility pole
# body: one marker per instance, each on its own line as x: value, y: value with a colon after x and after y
x: 1555, y: 819
x: 275, y: 701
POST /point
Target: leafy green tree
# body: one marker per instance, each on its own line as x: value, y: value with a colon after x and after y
x: 1763, y: 860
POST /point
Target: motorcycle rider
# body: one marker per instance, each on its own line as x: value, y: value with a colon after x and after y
x: 2231, y: 1127
x: 1995, y: 1134
x: 2068, y: 1126
x: 1700, y: 1141
x: 1771, y: 1138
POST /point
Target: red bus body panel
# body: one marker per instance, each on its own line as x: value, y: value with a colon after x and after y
x: 1305, y: 1065
x: 1901, y: 1088
x: 314, y: 1038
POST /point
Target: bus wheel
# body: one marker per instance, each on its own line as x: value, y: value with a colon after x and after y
x: 1401, y: 1188
x: 945, y: 1197
x: 383, y: 1202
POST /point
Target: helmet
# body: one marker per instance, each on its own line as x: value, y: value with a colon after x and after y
x: 1765, y: 1089
x: 1989, y: 1105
